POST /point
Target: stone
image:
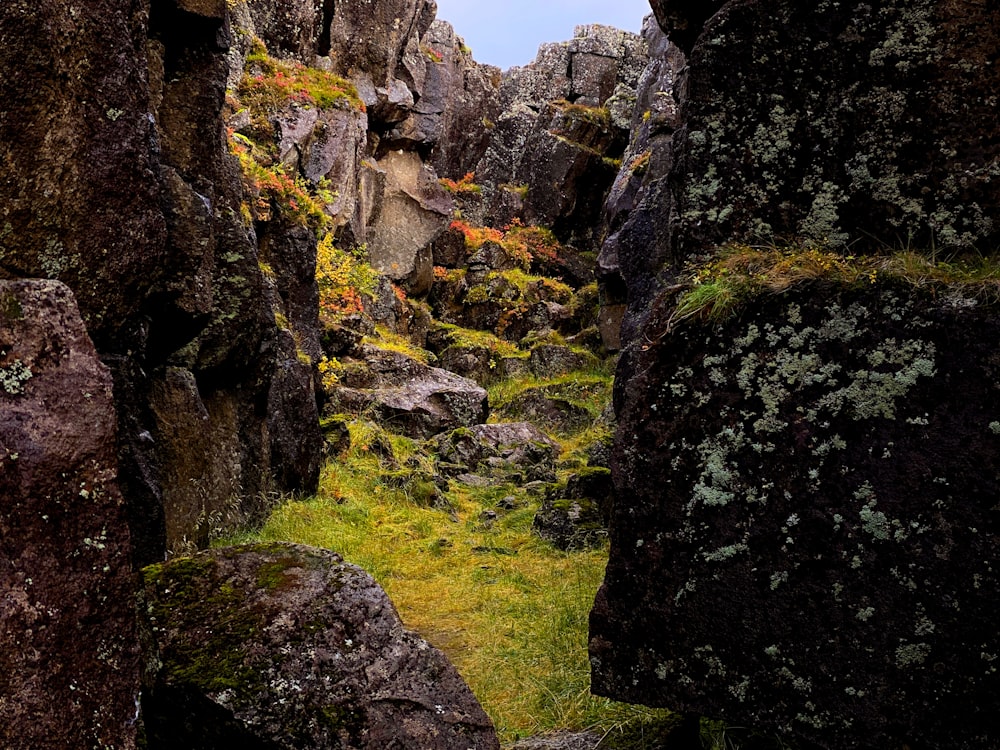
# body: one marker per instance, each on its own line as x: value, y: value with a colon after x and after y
x: 81, y: 204
x: 413, y: 398
x: 802, y: 536
x: 499, y: 446
x: 563, y: 740
x: 285, y: 646
x: 67, y: 616
x: 550, y: 360
x: 859, y: 127
x: 289, y: 29
x: 544, y: 406
x: 415, y: 210
x: 575, y: 515
x: 553, y: 139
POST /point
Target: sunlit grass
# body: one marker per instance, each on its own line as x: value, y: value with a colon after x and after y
x: 508, y: 609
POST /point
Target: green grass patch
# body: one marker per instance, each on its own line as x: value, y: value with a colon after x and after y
x: 735, y: 274
x: 507, y: 608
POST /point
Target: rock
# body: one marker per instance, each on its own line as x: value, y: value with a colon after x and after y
x: 502, y: 448
x: 554, y: 134
x: 633, y: 249
x: 549, y: 360
x: 289, y: 29
x: 459, y: 105
x: 575, y: 516
x: 821, y: 140
x: 67, y: 618
x: 411, y: 397
x: 830, y: 455
x: 81, y: 204
x: 563, y: 740
x: 415, y: 210
x: 570, y: 523
x: 544, y: 407
x: 287, y: 646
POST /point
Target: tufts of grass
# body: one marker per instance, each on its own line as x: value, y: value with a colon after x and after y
x: 468, y: 574
x: 718, y: 287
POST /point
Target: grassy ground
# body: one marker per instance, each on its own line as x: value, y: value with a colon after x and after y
x: 508, y: 609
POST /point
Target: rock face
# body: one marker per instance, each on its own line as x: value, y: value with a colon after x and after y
x: 811, y: 487
x: 861, y: 125
x: 563, y: 121
x: 283, y: 646
x: 632, y: 252
x: 802, y: 530
x: 67, y: 618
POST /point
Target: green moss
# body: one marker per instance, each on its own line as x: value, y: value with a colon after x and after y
x: 10, y: 307
x: 724, y: 283
x: 190, y: 597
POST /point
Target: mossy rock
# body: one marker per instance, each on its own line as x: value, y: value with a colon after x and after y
x: 281, y: 646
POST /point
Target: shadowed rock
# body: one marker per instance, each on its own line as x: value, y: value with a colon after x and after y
x: 804, y: 535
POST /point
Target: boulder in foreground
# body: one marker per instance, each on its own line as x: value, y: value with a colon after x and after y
x: 283, y: 646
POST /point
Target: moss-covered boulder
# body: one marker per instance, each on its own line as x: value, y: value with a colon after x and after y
x: 284, y: 646
x: 804, y: 536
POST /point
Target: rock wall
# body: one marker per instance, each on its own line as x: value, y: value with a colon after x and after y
x: 791, y: 548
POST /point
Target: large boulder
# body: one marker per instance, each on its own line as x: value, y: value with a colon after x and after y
x: 283, y: 646
x: 414, y: 211
x: 804, y: 535
x: 69, y: 662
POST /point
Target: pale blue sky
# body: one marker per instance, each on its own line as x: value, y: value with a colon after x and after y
x: 508, y: 32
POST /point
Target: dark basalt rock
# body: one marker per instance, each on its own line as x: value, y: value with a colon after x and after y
x: 848, y: 123
x: 283, y: 646
x: 804, y: 536
x: 69, y: 662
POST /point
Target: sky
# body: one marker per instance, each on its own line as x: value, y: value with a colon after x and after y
x: 508, y: 32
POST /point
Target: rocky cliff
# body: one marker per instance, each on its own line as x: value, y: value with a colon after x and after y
x: 805, y: 460
x: 198, y: 188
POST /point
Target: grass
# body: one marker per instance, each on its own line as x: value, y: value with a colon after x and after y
x: 508, y: 609
x: 738, y: 273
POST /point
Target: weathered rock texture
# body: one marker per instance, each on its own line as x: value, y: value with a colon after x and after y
x: 563, y: 122
x: 414, y: 398
x: 118, y: 182
x: 804, y: 536
x: 632, y: 252
x: 283, y: 646
x: 848, y: 123
x: 69, y: 666
x: 802, y: 533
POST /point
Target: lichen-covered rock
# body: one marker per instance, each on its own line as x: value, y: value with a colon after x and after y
x: 574, y: 515
x: 69, y: 662
x: 81, y: 204
x: 499, y: 449
x: 284, y: 646
x: 848, y: 123
x: 803, y: 536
